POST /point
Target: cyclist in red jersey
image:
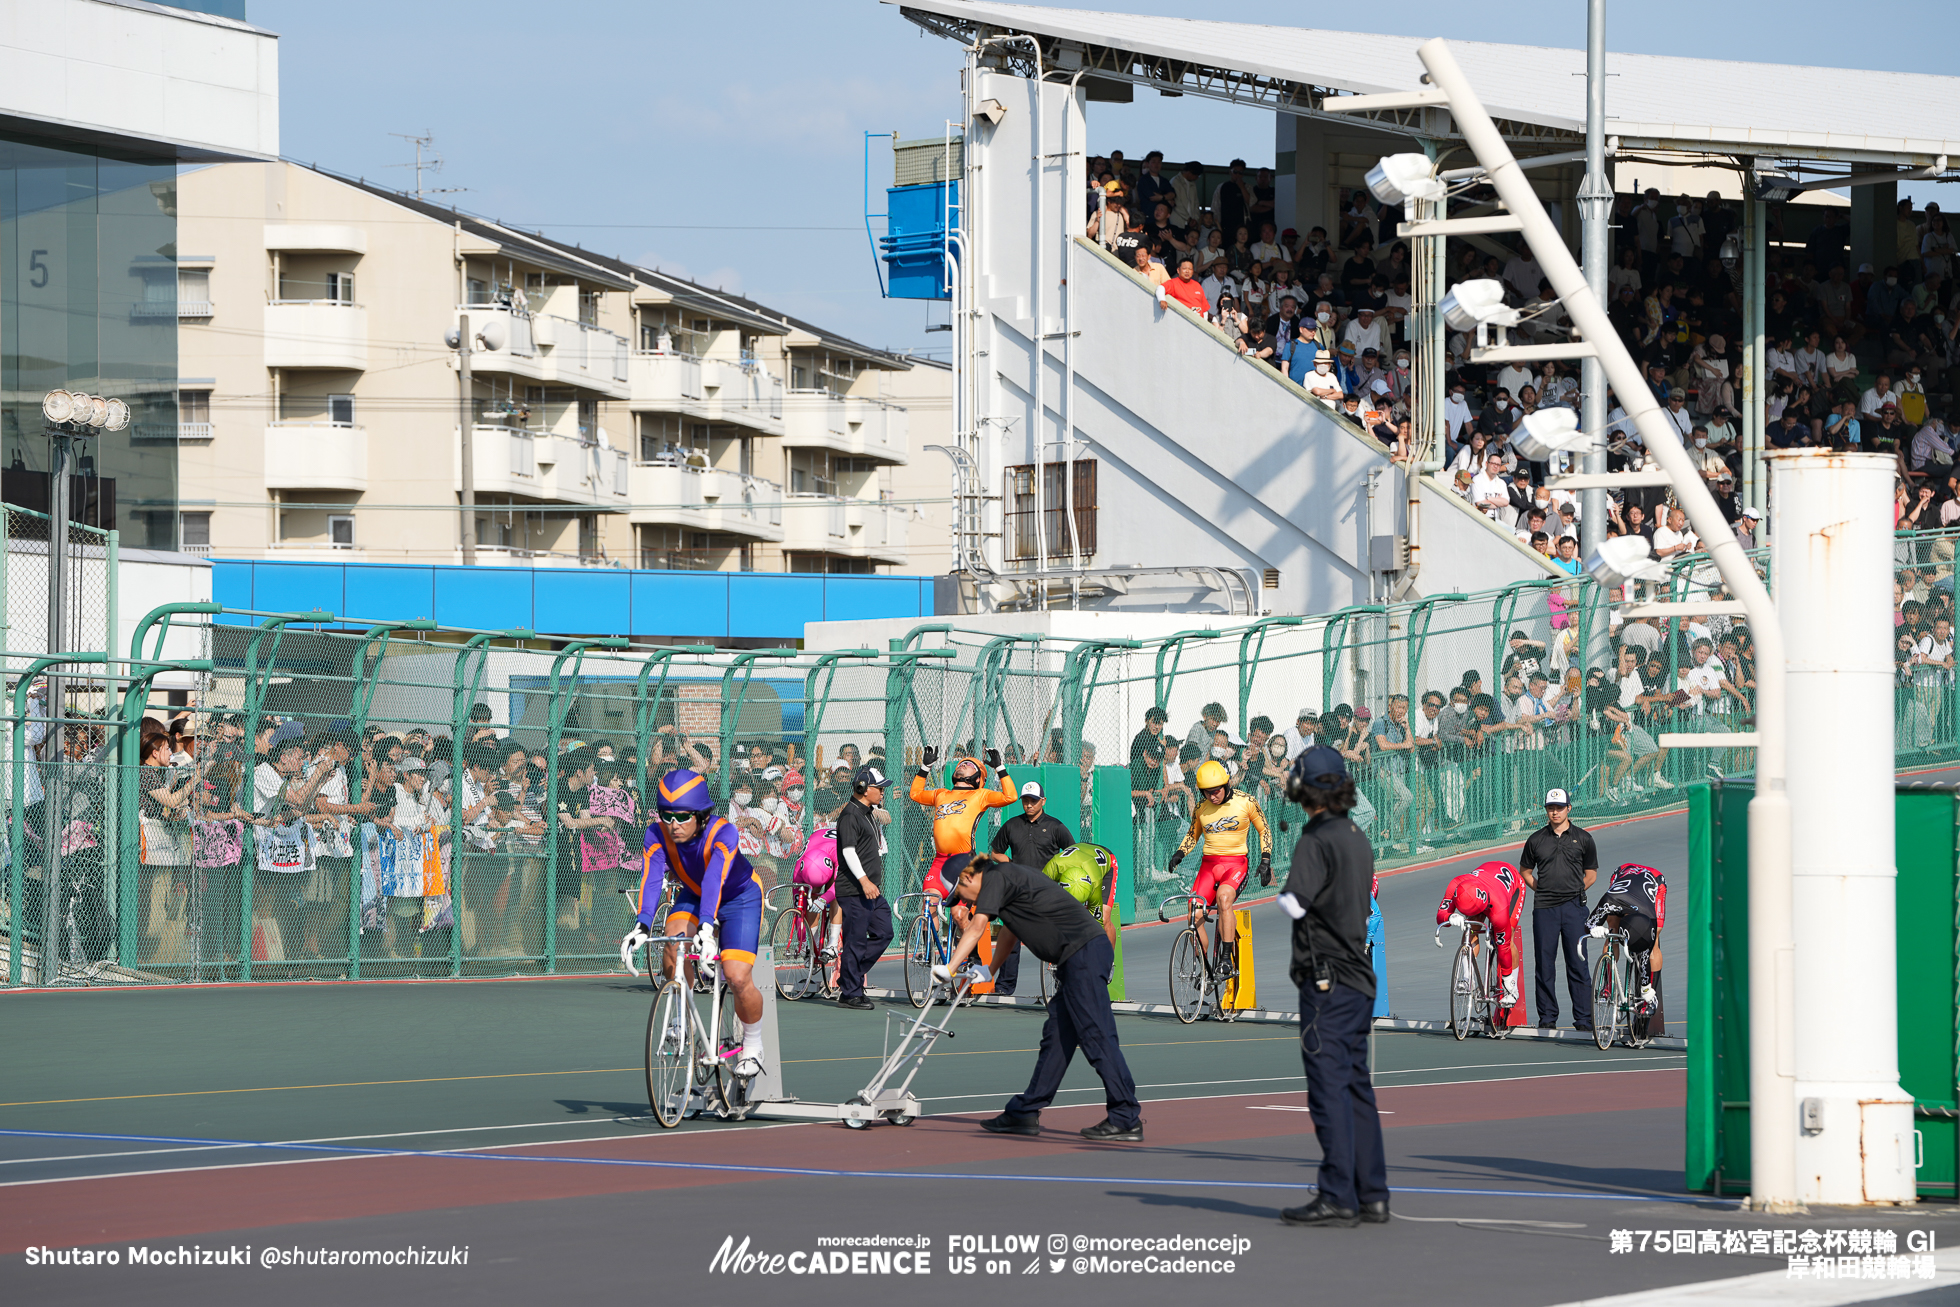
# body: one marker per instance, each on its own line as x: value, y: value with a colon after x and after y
x: 1494, y: 892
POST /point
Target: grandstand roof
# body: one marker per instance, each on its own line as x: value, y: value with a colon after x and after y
x: 1536, y: 92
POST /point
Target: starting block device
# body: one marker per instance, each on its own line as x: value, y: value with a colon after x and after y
x: 888, y: 1097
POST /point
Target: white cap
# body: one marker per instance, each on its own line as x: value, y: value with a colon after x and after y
x: 1557, y: 798
x: 1032, y: 790
x: 1756, y: 513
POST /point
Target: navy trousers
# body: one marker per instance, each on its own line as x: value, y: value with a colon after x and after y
x: 1007, y: 972
x: 1558, y: 929
x: 867, y: 929
x: 1341, y: 1097
x: 1079, y: 1017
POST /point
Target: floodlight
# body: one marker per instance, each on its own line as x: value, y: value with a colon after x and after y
x: 118, y: 416
x: 1549, y: 431
x: 1620, y: 559
x: 97, y: 413
x: 1775, y: 187
x: 60, y: 405
x: 1402, y: 177
x: 1476, y: 304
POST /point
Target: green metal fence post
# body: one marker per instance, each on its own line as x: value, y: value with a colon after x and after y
x: 1417, y: 639
x: 1251, y: 645
x: 901, y: 670
x: 255, y: 687
x: 1330, y: 649
x: 1079, y: 674
x: 731, y: 706
x: 813, y: 721
x: 16, y: 872
x: 556, y: 708
x: 647, y: 706
x: 1172, y: 648
x: 1503, y: 610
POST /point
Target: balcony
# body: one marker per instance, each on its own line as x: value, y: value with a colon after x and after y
x: 851, y: 528
x: 198, y: 433
x: 316, y: 334
x: 704, y: 499
x: 312, y: 551
x: 541, y: 465
x: 858, y: 428
x: 743, y: 393
x: 576, y: 354
x: 666, y: 383
x: 193, y: 308
x: 315, y: 456
x: 511, y: 556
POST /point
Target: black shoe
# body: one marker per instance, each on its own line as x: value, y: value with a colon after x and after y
x: 1543, y: 1026
x: 1002, y: 993
x: 1323, y: 1213
x: 1106, y: 1131
x: 857, y: 1001
x: 1012, y: 1125
x: 1642, y: 1016
x: 1375, y: 1213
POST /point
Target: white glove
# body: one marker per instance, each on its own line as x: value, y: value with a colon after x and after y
x: 704, y: 942
x: 1160, y: 294
x: 978, y: 974
x: 1599, y: 932
x: 1456, y: 918
x: 940, y: 973
x: 635, y: 939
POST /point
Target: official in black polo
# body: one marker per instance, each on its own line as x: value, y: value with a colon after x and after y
x: 1029, y: 839
x: 1560, y: 864
x: 1062, y: 933
x: 867, y: 914
x: 1327, y: 895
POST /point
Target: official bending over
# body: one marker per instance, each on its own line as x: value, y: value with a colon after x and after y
x: 1327, y: 897
x: 1061, y: 932
x: 867, y: 914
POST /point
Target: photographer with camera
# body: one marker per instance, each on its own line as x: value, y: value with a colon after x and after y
x: 1327, y: 896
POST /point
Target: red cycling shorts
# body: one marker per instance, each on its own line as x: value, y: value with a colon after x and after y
x: 1218, y: 871
x: 936, y: 883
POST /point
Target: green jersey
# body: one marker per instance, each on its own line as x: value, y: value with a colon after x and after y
x: 1086, y: 872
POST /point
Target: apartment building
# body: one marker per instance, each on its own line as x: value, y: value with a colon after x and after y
x: 617, y: 416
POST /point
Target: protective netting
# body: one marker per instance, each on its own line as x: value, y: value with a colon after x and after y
x: 418, y: 802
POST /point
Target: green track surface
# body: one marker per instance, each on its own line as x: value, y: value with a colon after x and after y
x: 517, y: 1061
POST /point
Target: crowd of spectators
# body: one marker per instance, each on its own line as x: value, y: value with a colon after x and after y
x: 1857, y: 358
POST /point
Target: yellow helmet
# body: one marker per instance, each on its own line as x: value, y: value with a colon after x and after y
x: 1212, y: 774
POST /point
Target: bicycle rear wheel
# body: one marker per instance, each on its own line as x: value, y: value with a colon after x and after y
x: 794, y: 953
x: 1605, y: 1001
x: 670, y: 1054
x: 919, y: 960
x: 1189, y: 978
x: 1463, y: 992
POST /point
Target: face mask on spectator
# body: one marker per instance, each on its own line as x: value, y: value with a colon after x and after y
x: 1221, y: 753
x: 769, y: 804
x: 743, y: 796
x: 1701, y: 442
x: 1324, y: 316
x: 795, y: 794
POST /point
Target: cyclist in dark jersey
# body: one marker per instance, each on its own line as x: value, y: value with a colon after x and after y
x: 1636, y: 900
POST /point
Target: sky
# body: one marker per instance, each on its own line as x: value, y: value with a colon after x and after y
x: 725, y: 141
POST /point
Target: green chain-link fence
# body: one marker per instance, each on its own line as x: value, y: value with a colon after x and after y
x: 403, y: 800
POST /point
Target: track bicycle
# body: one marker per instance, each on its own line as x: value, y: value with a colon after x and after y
x: 1614, y: 999
x: 803, y: 964
x: 691, y: 1058
x: 1198, y: 979
x: 1476, y: 990
x: 928, y: 943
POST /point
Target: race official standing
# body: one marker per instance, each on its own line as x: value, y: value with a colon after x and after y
x: 1327, y: 896
x: 1560, y: 864
x: 1030, y: 839
x: 867, y: 914
x: 1062, y: 933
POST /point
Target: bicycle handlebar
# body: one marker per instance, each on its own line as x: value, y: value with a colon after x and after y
x: 1190, y: 901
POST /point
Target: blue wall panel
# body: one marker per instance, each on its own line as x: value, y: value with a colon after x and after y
x: 595, y: 602
x: 390, y: 593
x: 687, y: 605
x: 693, y: 605
x: 486, y: 598
x: 773, y: 605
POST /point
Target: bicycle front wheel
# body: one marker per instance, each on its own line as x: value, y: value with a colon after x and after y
x: 1463, y: 992
x: 670, y: 1054
x: 793, y: 947
x: 1189, y: 979
x: 1605, y: 999
x: 919, y: 959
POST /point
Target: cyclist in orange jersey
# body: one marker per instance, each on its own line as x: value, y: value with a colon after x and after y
x: 956, y: 811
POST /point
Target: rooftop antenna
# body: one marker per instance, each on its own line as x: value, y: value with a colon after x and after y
x: 432, y: 164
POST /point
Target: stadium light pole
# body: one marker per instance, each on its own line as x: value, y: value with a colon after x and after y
x: 1772, y: 1090
x: 1595, y: 211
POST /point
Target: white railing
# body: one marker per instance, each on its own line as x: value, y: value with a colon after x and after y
x: 193, y: 308
x: 200, y: 551
x: 193, y: 431
x: 828, y: 508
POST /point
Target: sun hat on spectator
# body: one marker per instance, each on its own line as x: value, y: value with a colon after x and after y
x: 410, y: 763
x: 1113, y: 189
x: 289, y: 729
x: 1307, y: 715
x: 1754, y: 513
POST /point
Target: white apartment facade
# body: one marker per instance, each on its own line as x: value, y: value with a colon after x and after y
x: 617, y: 416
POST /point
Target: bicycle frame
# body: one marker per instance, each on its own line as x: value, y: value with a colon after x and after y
x: 1479, y: 940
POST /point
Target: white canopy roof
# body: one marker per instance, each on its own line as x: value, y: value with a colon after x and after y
x: 1653, y: 102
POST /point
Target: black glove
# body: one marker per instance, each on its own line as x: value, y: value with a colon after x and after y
x: 993, y: 759
x: 1265, y: 869
x: 1175, y: 859
x: 928, y: 758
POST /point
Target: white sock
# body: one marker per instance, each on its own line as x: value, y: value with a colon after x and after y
x: 751, y: 1036
x: 835, y: 938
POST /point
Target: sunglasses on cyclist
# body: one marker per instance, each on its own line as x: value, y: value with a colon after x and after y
x: 678, y: 818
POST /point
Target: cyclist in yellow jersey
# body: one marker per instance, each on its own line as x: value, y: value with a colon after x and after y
x: 1220, y: 823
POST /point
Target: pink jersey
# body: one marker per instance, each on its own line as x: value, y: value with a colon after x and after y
x: 818, y: 865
